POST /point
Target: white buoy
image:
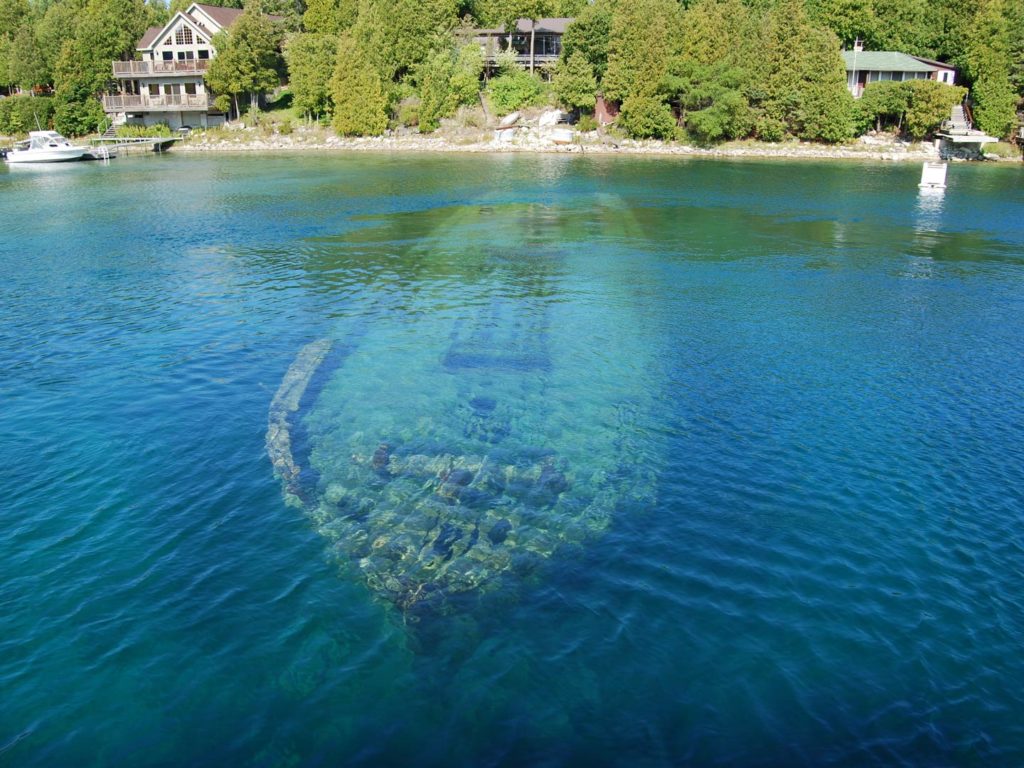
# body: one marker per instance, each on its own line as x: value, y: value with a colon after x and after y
x: 933, y: 176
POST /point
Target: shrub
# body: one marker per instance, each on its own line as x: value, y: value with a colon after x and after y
x: 143, y: 131
x: 408, y: 113
x: 586, y: 123
x: 18, y: 114
x: 770, y: 129
x: 930, y: 103
x: 515, y: 90
x: 647, y: 117
x: 285, y: 127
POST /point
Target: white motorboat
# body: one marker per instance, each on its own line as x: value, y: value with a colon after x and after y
x: 44, y: 147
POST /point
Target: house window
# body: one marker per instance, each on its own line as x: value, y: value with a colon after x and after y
x: 204, y: 54
x: 190, y: 89
x: 172, y: 90
x: 168, y: 56
x: 183, y: 35
x: 154, y: 89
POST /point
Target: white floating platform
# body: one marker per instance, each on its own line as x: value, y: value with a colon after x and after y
x: 933, y: 176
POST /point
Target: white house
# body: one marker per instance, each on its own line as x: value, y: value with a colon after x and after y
x: 166, y: 84
x: 864, y: 67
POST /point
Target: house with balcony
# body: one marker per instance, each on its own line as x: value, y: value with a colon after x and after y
x: 165, y: 83
x: 865, y: 67
x: 534, y: 41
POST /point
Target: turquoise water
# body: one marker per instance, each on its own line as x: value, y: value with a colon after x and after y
x: 684, y: 462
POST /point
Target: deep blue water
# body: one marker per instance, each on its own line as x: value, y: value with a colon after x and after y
x: 783, y: 403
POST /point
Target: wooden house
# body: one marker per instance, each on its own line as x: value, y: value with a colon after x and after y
x: 534, y: 41
x: 165, y: 84
x: 865, y: 67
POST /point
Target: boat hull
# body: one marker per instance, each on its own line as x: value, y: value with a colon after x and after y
x: 56, y: 155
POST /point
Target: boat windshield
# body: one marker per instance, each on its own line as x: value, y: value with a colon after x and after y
x: 47, y: 140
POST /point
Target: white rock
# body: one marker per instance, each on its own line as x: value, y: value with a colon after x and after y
x: 509, y: 120
x: 551, y: 117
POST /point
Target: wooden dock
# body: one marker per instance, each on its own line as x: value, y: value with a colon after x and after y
x: 116, y: 145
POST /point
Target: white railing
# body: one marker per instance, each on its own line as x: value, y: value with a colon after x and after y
x: 123, y: 102
x: 144, y: 68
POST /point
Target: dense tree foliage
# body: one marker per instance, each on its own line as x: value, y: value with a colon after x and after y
x: 589, y: 34
x: 644, y: 36
x: 719, y: 68
x: 21, y: 114
x: 360, y: 104
x: 248, y: 58
x: 310, y: 59
x: 647, y: 117
x: 330, y: 17
x: 990, y: 66
x: 574, y: 82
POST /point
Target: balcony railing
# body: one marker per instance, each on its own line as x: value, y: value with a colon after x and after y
x: 169, y: 102
x: 148, y: 68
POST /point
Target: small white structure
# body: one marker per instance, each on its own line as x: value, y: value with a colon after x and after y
x: 933, y: 176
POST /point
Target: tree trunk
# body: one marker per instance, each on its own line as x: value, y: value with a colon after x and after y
x: 234, y: 99
x: 533, y: 28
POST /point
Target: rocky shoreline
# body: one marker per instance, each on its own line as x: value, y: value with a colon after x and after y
x: 541, y: 140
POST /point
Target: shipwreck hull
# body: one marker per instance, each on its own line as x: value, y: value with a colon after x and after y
x: 470, y: 464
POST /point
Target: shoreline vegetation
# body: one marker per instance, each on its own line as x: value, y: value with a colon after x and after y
x: 692, y: 73
x: 532, y: 138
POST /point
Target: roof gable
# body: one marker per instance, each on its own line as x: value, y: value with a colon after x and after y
x: 154, y: 35
x: 213, y: 16
x: 554, y: 26
x: 884, y: 61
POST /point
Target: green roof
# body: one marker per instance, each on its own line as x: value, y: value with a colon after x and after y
x: 884, y: 61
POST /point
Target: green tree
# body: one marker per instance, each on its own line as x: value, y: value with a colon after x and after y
x: 716, y: 32
x: 514, y: 90
x: 646, y: 117
x: 884, y: 103
x: 27, y: 67
x: 574, y: 83
x: 990, y: 67
x: 248, y: 58
x: 504, y: 13
x: 469, y: 65
x: 360, y: 104
x: 107, y: 30
x: 58, y: 25
x: 851, y: 20
x: 803, y: 78
x: 437, y: 99
x: 398, y: 35
x: 310, y: 59
x: 14, y: 15
x: 910, y: 26
x: 826, y: 111
x: 710, y: 97
x: 644, y: 36
x: 329, y: 17
x: 928, y: 105
x: 588, y: 34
